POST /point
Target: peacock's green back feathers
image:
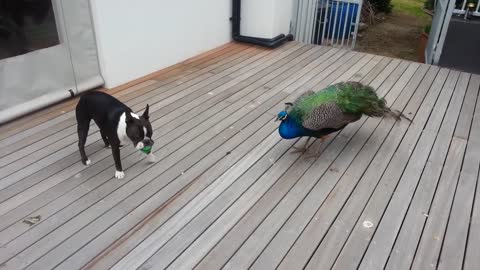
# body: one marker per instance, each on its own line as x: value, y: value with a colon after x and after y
x: 337, y: 105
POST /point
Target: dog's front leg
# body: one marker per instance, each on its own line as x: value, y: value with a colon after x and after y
x: 118, y: 162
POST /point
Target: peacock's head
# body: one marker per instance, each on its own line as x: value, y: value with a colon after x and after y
x: 282, y: 116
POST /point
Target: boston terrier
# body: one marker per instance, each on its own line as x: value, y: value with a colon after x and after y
x: 117, y: 124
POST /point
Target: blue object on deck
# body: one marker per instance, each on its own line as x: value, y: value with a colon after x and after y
x: 339, y: 14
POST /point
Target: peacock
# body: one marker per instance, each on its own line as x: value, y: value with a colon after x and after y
x: 330, y: 110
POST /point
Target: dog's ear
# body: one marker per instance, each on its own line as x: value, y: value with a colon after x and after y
x: 145, y: 113
x: 129, y: 117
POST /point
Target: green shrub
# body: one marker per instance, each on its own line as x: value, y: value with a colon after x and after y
x: 429, y: 4
x: 381, y: 5
x: 427, y: 27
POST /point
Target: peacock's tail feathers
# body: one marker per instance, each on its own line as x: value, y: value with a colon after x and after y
x: 355, y: 98
x: 351, y: 97
x: 397, y: 115
x: 358, y: 98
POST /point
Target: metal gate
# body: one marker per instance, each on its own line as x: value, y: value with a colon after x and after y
x: 438, y: 31
x: 327, y: 22
x: 462, y: 7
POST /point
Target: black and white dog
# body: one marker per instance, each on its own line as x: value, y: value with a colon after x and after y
x: 117, y: 124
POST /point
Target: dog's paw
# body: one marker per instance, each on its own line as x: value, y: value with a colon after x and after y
x: 152, y: 158
x: 87, y: 162
x: 119, y: 175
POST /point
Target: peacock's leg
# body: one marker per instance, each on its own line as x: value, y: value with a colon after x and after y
x: 317, y: 154
x: 301, y: 149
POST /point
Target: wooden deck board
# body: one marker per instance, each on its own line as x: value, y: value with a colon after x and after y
x: 301, y: 73
x: 74, y: 159
x: 216, y: 124
x: 226, y: 192
x: 472, y: 260
x: 49, y: 113
x: 331, y: 245
x: 258, y: 92
x: 326, y: 214
x: 199, y: 184
x: 272, y: 114
x: 166, y: 92
x: 44, y: 157
x: 296, y: 223
x: 456, y: 234
x: 194, y: 252
x: 227, y: 246
x: 159, y: 90
x: 123, y: 94
x: 202, y: 104
x: 445, y: 151
x: 127, y: 96
x: 167, y: 114
x: 429, y: 155
x: 288, y: 202
x: 178, y: 155
x: 359, y: 238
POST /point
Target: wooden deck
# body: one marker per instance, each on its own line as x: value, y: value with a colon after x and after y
x: 225, y: 191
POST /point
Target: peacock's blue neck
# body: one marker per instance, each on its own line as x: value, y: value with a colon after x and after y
x: 289, y: 129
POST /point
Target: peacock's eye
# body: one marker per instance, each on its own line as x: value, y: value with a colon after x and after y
x: 283, y: 117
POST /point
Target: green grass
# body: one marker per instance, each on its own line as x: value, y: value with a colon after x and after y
x: 410, y: 7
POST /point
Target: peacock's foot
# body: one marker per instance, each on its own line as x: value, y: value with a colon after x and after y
x: 315, y: 155
x: 299, y: 150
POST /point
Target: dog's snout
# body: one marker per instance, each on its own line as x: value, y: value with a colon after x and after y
x: 148, y: 142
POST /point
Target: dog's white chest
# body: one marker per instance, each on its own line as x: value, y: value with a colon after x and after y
x: 122, y: 129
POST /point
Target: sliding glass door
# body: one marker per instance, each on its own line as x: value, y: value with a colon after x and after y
x: 47, y: 53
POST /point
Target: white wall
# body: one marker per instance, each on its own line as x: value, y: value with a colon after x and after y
x: 265, y: 18
x: 282, y: 16
x: 136, y: 38
x: 257, y: 18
